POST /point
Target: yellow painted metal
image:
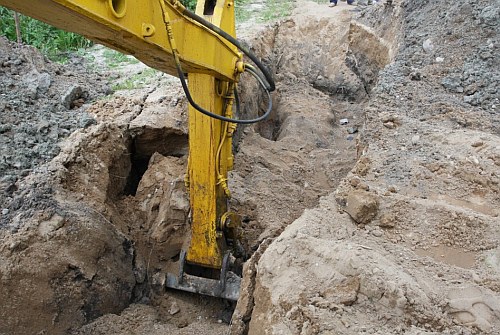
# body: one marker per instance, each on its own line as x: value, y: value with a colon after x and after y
x: 136, y: 27
x: 210, y: 153
x: 204, y: 248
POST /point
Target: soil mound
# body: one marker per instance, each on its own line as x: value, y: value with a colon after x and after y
x: 408, y: 242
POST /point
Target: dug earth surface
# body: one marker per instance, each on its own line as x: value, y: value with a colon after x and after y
x: 386, y: 224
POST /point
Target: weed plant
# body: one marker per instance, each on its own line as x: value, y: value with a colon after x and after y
x: 136, y: 81
x: 115, y: 59
x: 53, y: 42
x: 190, y: 4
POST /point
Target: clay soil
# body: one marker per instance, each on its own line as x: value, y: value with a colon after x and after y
x: 370, y: 198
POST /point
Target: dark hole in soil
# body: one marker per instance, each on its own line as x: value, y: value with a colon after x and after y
x: 269, y: 129
x: 139, y: 165
x: 140, y: 150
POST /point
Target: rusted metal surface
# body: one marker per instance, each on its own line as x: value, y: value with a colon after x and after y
x: 226, y: 287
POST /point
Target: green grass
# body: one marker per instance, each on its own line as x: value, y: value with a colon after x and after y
x: 115, y: 59
x: 190, y: 4
x: 276, y: 9
x: 241, y: 12
x: 272, y: 10
x: 136, y: 81
x: 53, y: 42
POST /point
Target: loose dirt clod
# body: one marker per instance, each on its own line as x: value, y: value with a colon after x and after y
x: 362, y: 206
x: 389, y: 229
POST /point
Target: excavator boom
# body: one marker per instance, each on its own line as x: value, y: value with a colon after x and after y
x: 137, y: 28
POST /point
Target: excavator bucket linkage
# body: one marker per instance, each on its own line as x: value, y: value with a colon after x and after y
x: 226, y: 287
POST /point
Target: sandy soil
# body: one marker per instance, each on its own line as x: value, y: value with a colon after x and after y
x: 385, y: 224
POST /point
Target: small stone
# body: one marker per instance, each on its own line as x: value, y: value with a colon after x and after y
x: 415, y: 139
x: 73, y: 93
x: 489, y: 15
x: 182, y: 323
x: 416, y: 75
x: 428, y: 46
x: 345, y: 293
x: 387, y: 221
x: 469, y: 99
x: 452, y: 83
x: 354, y: 181
x: 5, y: 211
x: 392, y: 189
x: 363, y: 186
x: 77, y: 103
x: 388, y: 116
x: 439, y: 59
x: 344, y: 121
x: 158, y: 282
x: 352, y: 130
x: 47, y: 227
x: 471, y: 89
x: 174, y: 308
x: 477, y: 144
x: 377, y: 233
x: 390, y: 125
x: 362, y: 206
x: 87, y: 121
x: 44, y: 81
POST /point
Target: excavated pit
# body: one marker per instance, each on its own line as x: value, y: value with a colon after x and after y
x: 301, y: 151
x: 139, y: 152
x: 129, y: 172
x: 108, y: 216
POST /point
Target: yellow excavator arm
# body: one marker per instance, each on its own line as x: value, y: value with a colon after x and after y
x: 137, y: 28
x: 166, y: 36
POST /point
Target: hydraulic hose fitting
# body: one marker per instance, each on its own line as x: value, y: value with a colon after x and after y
x: 240, y: 67
x: 223, y: 183
x: 231, y: 129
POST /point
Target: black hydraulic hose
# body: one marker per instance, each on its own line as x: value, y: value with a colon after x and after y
x: 220, y: 117
x: 237, y: 100
x: 267, y: 83
x: 257, y: 76
x: 236, y: 43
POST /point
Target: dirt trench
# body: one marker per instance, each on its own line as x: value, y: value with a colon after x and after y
x: 348, y: 233
x: 407, y: 244
x: 113, y: 202
x: 277, y: 173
